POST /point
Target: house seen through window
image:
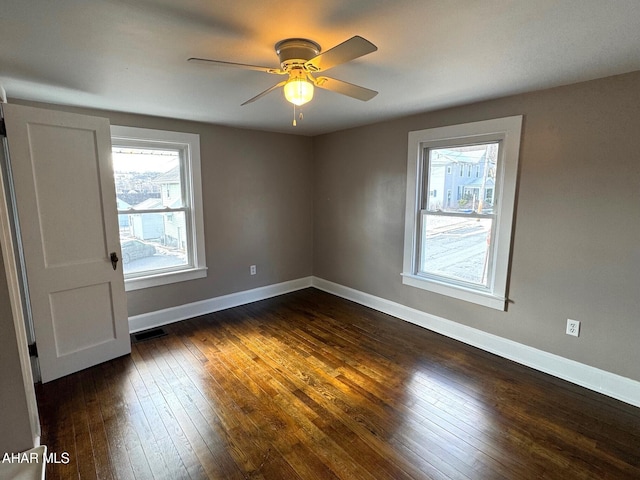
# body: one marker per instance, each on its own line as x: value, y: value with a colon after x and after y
x: 159, y: 212
x: 153, y: 230
x: 455, y: 238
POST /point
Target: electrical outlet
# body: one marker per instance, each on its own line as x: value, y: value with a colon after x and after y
x: 252, y: 270
x: 573, y: 327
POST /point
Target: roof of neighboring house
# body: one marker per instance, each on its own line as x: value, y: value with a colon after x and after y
x: 149, y: 203
x: 172, y: 176
x: 121, y: 204
x: 176, y: 203
x: 477, y: 183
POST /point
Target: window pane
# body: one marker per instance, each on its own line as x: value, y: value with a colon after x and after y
x: 470, y: 193
x: 456, y: 248
x: 153, y: 241
x: 147, y: 178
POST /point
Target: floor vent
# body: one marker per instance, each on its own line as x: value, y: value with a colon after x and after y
x: 148, y: 335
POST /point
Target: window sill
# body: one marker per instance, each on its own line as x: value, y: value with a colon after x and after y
x: 461, y: 293
x: 164, y: 278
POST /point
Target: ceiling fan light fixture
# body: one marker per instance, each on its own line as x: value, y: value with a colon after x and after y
x: 300, y: 59
x: 298, y: 90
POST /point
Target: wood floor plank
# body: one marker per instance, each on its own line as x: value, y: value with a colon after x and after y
x: 117, y: 379
x: 378, y: 333
x: 250, y: 450
x: 99, y: 443
x: 283, y: 396
x: 176, y: 450
x: 178, y: 399
x: 109, y: 412
x: 362, y: 416
x: 379, y: 420
x: 206, y: 432
x: 57, y: 426
x: 309, y: 385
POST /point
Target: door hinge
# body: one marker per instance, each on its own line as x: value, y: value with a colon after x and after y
x: 33, y: 350
x: 3, y: 128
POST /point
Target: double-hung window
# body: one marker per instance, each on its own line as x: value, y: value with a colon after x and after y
x: 159, y: 198
x: 460, y: 245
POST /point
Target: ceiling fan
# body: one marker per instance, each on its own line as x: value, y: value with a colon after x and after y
x: 301, y: 60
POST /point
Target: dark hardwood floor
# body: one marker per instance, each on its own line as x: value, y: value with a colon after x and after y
x: 308, y: 385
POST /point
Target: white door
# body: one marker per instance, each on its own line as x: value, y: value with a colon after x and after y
x: 66, y: 209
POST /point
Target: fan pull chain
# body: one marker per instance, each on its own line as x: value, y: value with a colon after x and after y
x: 300, y: 116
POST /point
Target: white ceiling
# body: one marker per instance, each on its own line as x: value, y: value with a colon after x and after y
x: 130, y: 55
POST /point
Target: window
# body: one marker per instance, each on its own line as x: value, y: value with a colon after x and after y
x: 159, y: 197
x: 462, y: 250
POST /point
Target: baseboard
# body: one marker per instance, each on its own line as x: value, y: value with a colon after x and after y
x: 610, y: 384
x: 159, y: 318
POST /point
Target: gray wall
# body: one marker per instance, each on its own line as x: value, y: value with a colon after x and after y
x: 15, y: 431
x: 576, y: 251
x: 257, y: 198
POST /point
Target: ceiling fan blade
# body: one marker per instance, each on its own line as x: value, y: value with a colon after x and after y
x: 221, y: 63
x: 348, y: 50
x: 345, y: 88
x: 260, y: 95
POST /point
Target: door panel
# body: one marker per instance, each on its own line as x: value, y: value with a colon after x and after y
x: 68, y: 311
x: 55, y: 179
x: 66, y: 208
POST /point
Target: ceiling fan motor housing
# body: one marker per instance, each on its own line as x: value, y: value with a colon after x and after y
x: 295, y: 52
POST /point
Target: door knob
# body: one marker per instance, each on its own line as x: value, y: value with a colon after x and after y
x: 114, y: 260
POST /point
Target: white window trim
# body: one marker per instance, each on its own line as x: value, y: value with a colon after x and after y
x: 508, y: 131
x: 192, y: 140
